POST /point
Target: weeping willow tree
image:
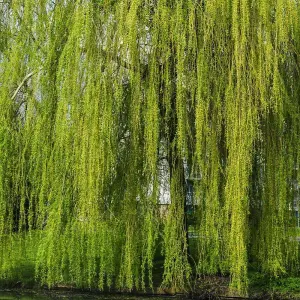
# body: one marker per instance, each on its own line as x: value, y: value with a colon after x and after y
x: 97, y: 97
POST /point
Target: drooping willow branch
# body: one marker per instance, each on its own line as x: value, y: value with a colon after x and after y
x: 144, y: 103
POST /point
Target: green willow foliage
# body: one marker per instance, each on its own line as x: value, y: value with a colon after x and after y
x: 95, y: 94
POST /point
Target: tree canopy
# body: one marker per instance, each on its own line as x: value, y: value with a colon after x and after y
x: 102, y: 102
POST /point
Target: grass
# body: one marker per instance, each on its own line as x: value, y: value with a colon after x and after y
x: 277, y: 288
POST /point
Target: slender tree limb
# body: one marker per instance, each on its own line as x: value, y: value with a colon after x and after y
x: 22, y: 83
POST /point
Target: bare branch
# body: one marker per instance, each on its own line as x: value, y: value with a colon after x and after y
x: 22, y: 83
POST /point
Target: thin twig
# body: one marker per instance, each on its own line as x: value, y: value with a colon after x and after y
x: 21, y: 84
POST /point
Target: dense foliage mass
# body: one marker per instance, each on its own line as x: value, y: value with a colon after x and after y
x: 104, y: 102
